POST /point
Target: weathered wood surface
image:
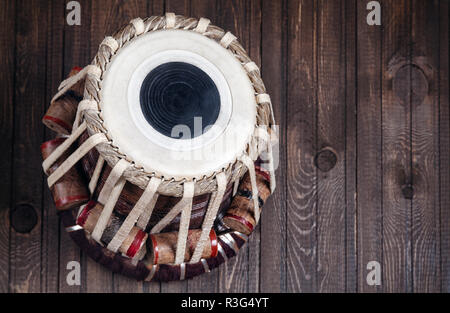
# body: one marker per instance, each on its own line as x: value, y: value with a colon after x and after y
x: 364, y: 150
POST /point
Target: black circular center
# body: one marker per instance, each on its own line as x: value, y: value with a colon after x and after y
x: 178, y: 96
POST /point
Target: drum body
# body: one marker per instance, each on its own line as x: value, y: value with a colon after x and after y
x: 174, y: 135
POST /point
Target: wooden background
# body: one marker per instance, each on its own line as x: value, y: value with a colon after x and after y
x: 364, y: 146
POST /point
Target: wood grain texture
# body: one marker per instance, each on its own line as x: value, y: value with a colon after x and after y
x: 51, y: 279
x: 30, y: 60
x: 273, y: 220
x: 301, y: 147
x: 243, y: 19
x: 77, y: 52
x: 7, y: 68
x: 396, y: 125
x: 252, y: 44
x: 364, y: 150
x: 155, y: 7
x: 444, y: 143
x: 233, y: 276
x: 331, y: 219
x: 369, y: 190
x: 351, y: 118
x: 425, y: 130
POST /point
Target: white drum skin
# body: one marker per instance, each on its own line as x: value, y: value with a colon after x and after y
x: 168, y: 157
x: 178, y: 56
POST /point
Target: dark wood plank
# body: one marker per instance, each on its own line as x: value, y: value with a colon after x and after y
x: 301, y: 147
x: 425, y: 146
x: 369, y: 191
x: 179, y: 7
x: 77, y: 44
x: 50, y: 221
x: 273, y: 220
x: 243, y: 19
x: 252, y: 27
x: 396, y: 126
x: 330, y: 159
x: 155, y: 7
x: 27, y: 182
x: 444, y: 144
x: 7, y: 68
x: 351, y: 147
x: 76, y: 52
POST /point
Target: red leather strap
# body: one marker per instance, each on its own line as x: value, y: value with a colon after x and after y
x: 136, y: 244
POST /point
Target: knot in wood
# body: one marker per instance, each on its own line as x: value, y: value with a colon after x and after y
x: 410, y: 85
x: 408, y: 191
x: 23, y: 218
x: 325, y: 160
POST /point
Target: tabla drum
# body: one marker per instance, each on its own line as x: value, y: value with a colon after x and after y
x: 164, y: 155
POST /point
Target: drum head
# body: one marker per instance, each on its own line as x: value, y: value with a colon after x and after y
x: 178, y: 104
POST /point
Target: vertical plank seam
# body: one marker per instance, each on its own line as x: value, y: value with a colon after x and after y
x: 439, y: 144
x: 381, y: 40
x: 357, y: 147
x: 410, y: 217
x: 343, y: 41
x: 287, y: 66
x: 411, y: 221
x: 439, y: 267
x: 284, y: 45
x: 316, y: 35
x: 248, y: 16
x: 448, y: 61
x: 442, y: 287
x: 354, y: 105
x: 13, y: 134
x: 63, y: 43
x: 437, y: 141
x: 44, y: 222
x: 83, y: 256
x: 261, y: 69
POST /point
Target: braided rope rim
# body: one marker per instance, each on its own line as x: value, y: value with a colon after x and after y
x: 135, y: 173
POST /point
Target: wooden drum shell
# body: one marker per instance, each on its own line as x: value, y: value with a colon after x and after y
x: 61, y: 113
x: 144, y: 270
x: 240, y: 215
x: 131, y: 194
x: 162, y: 247
x: 132, y: 244
x: 69, y: 191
